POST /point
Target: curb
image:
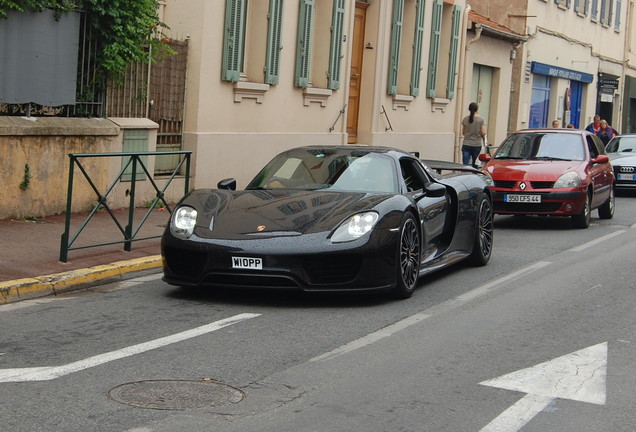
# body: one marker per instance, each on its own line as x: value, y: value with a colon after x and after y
x: 58, y: 283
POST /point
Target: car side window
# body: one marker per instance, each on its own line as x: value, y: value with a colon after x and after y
x: 595, y: 145
x: 414, y: 176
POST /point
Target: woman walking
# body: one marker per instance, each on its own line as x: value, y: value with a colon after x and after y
x: 474, y: 131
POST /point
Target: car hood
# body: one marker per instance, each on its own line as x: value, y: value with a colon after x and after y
x: 518, y: 170
x: 623, y: 158
x: 274, y: 212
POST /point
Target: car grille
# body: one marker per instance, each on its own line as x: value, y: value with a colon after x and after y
x: 626, y: 171
x: 332, y: 269
x: 507, y: 184
x: 548, y: 207
x: 250, y: 280
x: 185, y: 263
x: 542, y: 184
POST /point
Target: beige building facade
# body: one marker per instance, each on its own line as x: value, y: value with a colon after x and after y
x: 573, y: 64
x: 268, y: 75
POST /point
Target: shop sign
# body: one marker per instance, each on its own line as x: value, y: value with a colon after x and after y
x: 555, y: 71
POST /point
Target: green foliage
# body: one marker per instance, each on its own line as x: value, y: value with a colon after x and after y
x: 126, y: 29
x: 27, y: 178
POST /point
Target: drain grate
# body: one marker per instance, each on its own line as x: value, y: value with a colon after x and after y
x: 176, y: 394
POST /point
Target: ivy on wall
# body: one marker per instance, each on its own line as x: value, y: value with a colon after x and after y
x: 126, y: 28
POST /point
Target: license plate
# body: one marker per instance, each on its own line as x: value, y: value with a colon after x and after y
x: 628, y: 177
x: 520, y: 198
x: 247, y: 263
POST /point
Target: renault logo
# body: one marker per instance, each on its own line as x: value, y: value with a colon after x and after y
x: 522, y: 186
x: 628, y: 169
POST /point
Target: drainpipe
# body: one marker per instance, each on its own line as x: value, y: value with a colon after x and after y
x: 460, y: 106
x: 626, y: 47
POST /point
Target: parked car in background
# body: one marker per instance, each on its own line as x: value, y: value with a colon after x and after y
x: 552, y: 172
x: 349, y: 218
x: 622, y: 153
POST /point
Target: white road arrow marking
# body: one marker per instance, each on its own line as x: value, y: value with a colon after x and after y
x: 578, y: 376
x: 51, y: 372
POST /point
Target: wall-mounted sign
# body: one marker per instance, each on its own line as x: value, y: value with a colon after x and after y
x: 559, y: 72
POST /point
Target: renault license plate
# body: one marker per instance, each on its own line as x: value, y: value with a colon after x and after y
x: 520, y: 198
x: 250, y: 263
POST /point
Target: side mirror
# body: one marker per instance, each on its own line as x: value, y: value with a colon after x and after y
x: 435, y: 190
x: 484, y: 157
x: 600, y: 159
x: 229, y: 184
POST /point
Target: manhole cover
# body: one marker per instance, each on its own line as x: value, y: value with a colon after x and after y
x: 176, y: 395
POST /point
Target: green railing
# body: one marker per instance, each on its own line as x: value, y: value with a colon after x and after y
x: 134, y: 162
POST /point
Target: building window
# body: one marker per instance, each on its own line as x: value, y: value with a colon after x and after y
x: 319, y: 44
x: 617, y: 22
x: 252, y: 41
x: 594, y: 10
x: 407, y: 30
x: 445, y: 35
x: 606, y: 12
x: 540, y: 102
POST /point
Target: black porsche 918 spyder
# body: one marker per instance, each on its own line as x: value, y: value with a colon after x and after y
x: 348, y: 218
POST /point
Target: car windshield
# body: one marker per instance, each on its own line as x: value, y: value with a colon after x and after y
x: 542, y: 146
x: 353, y: 170
x: 622, y: 144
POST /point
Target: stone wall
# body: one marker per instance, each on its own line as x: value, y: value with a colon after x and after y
x: 34, y: 165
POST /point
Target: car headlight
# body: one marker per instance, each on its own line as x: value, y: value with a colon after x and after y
x: 183, y: 222
x: 355, y: 227
x: 568, y: 180
x: 488, y: 179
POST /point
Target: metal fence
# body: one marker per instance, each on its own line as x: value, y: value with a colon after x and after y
x: 134, y: 166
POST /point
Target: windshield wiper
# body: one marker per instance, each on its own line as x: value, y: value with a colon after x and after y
x: 510, y: 157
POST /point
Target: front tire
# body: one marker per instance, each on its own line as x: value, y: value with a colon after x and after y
x: 582, y: 220
x: 606, y: 211
x: 408, y: 258
x: 482, y: 246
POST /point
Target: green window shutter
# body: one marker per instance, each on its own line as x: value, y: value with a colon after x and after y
x: 335, y: 51
x: 233, y: 40
x: 452, y: 55
x: 274, y: 30
x: 433, y: 55
x: 396, y: 40
x: 303, y: 43
x: 416, y: 67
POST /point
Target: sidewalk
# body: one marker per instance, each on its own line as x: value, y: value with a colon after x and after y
x: 29, y: 258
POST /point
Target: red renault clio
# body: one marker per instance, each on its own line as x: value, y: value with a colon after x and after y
x: 552, y: 172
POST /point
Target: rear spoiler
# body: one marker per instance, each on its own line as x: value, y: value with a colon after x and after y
x: 440, y: 166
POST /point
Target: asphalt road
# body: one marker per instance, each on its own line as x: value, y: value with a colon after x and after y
x: 540, y: 339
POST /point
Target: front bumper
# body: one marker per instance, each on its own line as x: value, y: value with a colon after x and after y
x: 287, y: 263
x: 566, y: 203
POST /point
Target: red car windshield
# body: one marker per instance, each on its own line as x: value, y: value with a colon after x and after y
x: 542, y: 146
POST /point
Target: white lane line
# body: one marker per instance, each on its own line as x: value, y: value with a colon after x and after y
x: 432, y: 311
x: 483, y: 289
x: 594, y: 242
x: 51, y: 372
x: 373, y: 337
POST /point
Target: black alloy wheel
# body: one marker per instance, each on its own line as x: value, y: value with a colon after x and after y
x: 482, y: 247
x: 408, y: 258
